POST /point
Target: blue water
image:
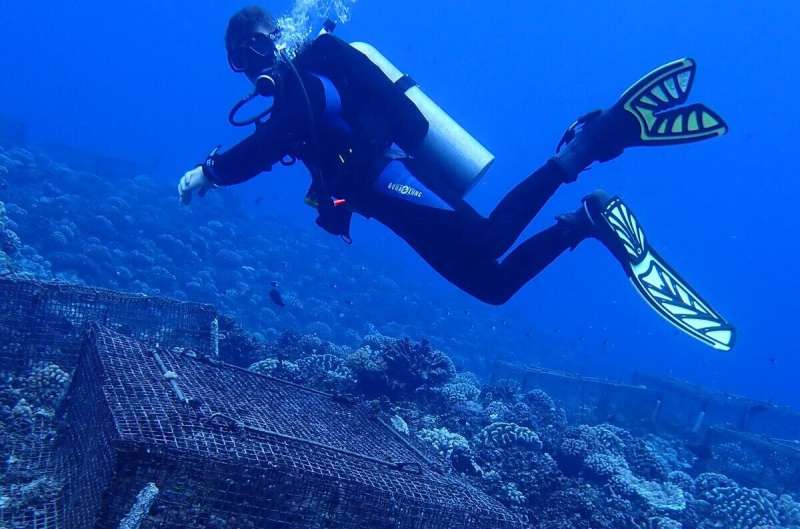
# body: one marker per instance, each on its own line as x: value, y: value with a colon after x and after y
x: 148, y: 81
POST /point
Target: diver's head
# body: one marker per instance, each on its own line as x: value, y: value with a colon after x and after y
x: 250, y: 41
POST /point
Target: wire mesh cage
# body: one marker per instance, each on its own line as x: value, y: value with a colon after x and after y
x: 41, y: 329
x: 225, y: 447
x: 753, y: 460
x: 655, y: 402
x: 686, y: 406
x: 42, y: 321
x: 585, y: 399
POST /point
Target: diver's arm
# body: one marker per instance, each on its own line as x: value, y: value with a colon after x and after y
x: 281, y: 135
x: 274, y: 138
x: 253, y: 155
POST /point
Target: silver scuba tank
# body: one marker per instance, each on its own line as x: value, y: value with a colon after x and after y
x: 448, y: 152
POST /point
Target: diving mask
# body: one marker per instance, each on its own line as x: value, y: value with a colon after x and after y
x: 257, y: 53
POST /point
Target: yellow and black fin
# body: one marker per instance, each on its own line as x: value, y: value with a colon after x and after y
x: 655, y: 101
x: 660, y: 286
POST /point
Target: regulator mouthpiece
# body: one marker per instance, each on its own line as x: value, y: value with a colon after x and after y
x: 265, y: 86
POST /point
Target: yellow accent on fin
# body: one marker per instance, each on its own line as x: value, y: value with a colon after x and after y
x: 649, y: 118
x: 708, y: 121
x: 659, y: 93
x: 683, y: 80
x: 722, y: 337
x: 677, y: 125
x: 692, y: 124
x: 646, y: 100
x: 671, y: 88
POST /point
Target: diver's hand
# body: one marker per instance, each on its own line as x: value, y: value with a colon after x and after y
x: 191, y: 181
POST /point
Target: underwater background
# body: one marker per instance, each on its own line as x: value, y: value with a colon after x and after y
x: 148, y: 82
x: 106, y: 105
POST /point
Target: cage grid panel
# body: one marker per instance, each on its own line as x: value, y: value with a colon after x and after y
x: 229, y: 448
x: 42, y: 323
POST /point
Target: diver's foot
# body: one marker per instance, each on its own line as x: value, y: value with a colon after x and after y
x: 594, y: 205
x: 615, y: 225
x: 576, y: 226
x: 648, y: 113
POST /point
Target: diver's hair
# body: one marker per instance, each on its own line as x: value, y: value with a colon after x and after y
x: 244, y: 23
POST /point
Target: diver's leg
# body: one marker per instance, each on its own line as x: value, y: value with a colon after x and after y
x: 452, y: 241
x: 520, y: 206
x: 496, y: 282
x: 449, y: 241
x: 537, y: 253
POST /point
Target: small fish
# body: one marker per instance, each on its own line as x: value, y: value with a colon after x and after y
x: 701, y: 450
x: 276, y: 297
x: 759, y: 408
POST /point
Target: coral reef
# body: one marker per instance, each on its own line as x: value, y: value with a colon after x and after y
x: 125, y: 231
x: 518, y: 446
x: 28, y: 402
x: 399, y: 367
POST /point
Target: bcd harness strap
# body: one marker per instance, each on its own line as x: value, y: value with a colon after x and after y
x: 332, y: 217
x: 405, y: 83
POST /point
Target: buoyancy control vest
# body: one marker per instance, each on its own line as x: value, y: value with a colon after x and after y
x: 385, y: 107
x: 377, y: 112
x: 382, y: 108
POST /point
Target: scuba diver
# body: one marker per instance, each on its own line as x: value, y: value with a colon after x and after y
x: 377, y: 146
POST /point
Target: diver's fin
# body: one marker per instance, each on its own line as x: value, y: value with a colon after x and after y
x: 655, y: 99
x: 651, y: 112
x: 660, y: 286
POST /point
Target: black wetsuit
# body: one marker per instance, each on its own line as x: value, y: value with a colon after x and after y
x: 462, y: 245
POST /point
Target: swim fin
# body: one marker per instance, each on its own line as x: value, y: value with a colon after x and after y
x: 649, y: 113
x: 615, y: 225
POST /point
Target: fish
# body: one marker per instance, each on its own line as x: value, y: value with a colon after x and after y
x: 276, y: 297
x: 701, y: 450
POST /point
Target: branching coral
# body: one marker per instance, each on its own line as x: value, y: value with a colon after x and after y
x: 504, y: 435
x: 398, y: 368
x: 443, y: 442
x: 742, y: 508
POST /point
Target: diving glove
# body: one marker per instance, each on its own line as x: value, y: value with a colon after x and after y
x: 193, y: 181
x: 615, y: 225
x: 649, y: 113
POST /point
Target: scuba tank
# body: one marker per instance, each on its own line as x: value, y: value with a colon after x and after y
x: 447, y: 158
x: 447, y: 154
